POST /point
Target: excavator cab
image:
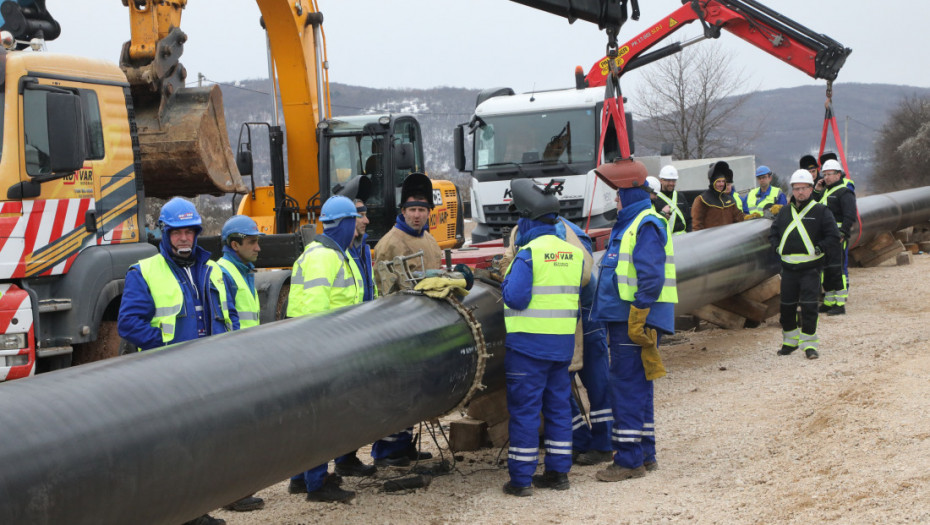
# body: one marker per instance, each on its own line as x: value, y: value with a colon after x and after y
x: 183, y: 142
x: 385, y: 149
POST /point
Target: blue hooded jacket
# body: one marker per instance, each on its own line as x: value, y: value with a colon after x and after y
x: 137, y: 307
x: 649, y: 261
x: 517, y: 291
x: 361, y: 252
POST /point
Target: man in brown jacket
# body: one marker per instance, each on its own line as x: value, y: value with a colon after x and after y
x: 716, y: 207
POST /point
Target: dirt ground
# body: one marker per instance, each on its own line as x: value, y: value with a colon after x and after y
x: 744, y: 435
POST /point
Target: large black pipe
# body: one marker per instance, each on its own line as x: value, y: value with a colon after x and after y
x: 162, y: 436
x: 165, y: 435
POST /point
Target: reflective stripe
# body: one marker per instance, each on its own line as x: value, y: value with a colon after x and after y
x: 524, y: 450
x: 164, y: 311
x: 797, y: 225
x: 541, y: 290
x: 675, y: 211
x: 522, y: 458
x: 542, y: 314
x: 632, y: 282
x: 319, y: 281
x: 791, y: 338
x: 248, y: 316
x: 558, y: 443
x: 809, y: 341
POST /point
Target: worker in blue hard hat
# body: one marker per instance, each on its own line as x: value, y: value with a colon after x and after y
x: 764, y: 196
x: 178, y: 294
x: 240, y: 251
x: 324, y: 278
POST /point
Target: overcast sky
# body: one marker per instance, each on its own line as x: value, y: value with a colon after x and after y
x: 485, y: 43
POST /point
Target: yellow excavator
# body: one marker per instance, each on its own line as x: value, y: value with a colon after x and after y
x: 186, y: 151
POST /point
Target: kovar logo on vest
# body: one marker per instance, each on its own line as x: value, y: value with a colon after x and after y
x: 560, y: 256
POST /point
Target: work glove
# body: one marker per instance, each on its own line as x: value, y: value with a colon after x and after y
x: 753, y: 215
x: 441, y: 287
x: 775, y: 209
x: 648, y: 339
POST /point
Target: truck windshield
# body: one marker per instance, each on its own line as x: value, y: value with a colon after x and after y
x: 566, y: 136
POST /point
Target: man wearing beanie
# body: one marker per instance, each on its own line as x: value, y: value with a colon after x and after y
x: 716, y: 207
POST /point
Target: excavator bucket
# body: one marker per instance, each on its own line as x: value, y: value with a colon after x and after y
x: 184, y: 145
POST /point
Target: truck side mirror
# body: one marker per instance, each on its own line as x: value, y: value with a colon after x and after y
x: 65, y: 117
x: 458, y: 140
x: 404, y: 157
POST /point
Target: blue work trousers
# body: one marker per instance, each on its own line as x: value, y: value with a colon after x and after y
x: 395, y: 443
x: 534, y: 385
x: 595, y: 377
x: 632, y: 399
x: 313, y: 478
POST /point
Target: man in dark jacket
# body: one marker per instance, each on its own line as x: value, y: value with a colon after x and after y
x: 805, y: 237
x: 837, y: 196
x: 716, y: 206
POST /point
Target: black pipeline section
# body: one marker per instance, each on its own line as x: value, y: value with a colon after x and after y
x: 165, y: 435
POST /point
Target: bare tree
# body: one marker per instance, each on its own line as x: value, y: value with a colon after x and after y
x: 903, y: 147
x: 692, y: 101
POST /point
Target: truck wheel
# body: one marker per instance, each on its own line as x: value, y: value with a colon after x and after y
x: 105, y: 346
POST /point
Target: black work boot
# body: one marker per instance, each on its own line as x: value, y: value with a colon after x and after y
x: 331, y: 493
x: 353, y: 467
x: 839, y: 309
x: 520, y: 492
x: 247, y: 504
x: 551, y: 480
x: 824, y: 308
x: 594, y: 457
x: 811, y: 353
x: 297, y: 487
x: 786, y: 350
x: 206, y: 519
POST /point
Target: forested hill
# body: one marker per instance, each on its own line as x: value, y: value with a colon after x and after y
x: 792, y: 119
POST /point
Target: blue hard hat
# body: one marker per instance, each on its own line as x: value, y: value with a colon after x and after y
x: 240, y: 224
x: 763, y: 170
x: 338, y: 207
x: 179, y: 213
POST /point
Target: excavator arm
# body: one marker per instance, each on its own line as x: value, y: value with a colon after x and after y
x: 182, y: 131
x: 815, y: 54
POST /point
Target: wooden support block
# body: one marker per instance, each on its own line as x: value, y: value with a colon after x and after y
x: 490, y: 408
x: 773, y: 306
x: 499, y: 433
x: 882, y: 256
x: 924, y: 246
x: 921, y: 233
x: 904, y: 235
x: 765, y: 290
x: 912, y: 247
x: 467, y: 434
x: 903, y: 258
x: 880, y: 241
x: 747, y: 308
x: 720, y: 317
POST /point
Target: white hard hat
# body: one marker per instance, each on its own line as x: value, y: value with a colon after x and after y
x: 802, y: 177
x: 668, y: 173
x: 653, y: 184
x: 832, y: 164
